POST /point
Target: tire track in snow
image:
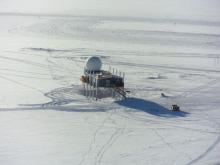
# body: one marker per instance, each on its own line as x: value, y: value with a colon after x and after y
x: 24, y: 76
x: 107, y: 145
x: 110, y: 141
x: 165, y: 67
x: 148, y: 120
x: 21, y: 84
x: 24, y: 53
x: 25, y: 62
x: 115, y: 135
x: 23, y: 72
x: 216, y: 142
x: 173, y: 125
x: 93, y: 141
x: 210, y: 148
x: 169, y: 145
x: 201, y: 88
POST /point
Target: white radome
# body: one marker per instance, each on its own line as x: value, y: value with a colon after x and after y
x: 93, y: 63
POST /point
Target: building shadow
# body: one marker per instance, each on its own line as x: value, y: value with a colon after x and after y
x: 69, y: 108
x: 62, y: 99
x: 150, y: 107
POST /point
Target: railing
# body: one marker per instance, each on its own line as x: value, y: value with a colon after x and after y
x: 120, y: 91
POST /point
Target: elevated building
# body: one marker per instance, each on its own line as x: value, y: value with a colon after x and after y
x: 100, y: 83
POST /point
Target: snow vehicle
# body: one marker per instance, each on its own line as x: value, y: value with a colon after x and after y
x: 175, y: 107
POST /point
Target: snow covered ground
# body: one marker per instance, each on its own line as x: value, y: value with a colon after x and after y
x: 43, y: 119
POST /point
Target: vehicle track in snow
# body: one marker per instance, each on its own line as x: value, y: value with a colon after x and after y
x: 24, y: 76
x: 210, y: 148
x: 94, y: 138
x: 132, y: 116
x: 116, y: 134
x: 23, y: 72
x: 111, y: 138
x: 157, y: 121
x: 21, y: 84
x: 165, y: 67
x: 27, y: 62
x: 198, y: 90
x: 170, y: 146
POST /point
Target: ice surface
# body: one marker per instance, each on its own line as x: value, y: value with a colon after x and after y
x: 44, y: 120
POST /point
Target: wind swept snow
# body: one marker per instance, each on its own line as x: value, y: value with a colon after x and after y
x: 45, y: 120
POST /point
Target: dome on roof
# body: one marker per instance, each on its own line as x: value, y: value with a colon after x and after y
x: 93, y: 63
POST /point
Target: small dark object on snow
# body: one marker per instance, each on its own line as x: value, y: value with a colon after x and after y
x: 175, y: 107
x: 163, y: 95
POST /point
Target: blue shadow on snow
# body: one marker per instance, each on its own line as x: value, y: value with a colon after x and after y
x: 150, y: 107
